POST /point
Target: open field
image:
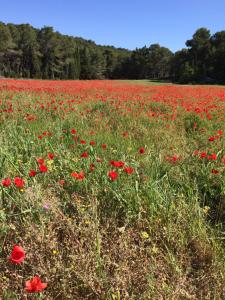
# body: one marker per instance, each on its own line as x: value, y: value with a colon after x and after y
x: 146, y: 82
x: 149, y: 82
x: 113, y: 190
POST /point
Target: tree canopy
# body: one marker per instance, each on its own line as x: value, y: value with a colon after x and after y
x: 27, y: 52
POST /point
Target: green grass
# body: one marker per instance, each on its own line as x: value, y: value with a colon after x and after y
x: 147, y: 82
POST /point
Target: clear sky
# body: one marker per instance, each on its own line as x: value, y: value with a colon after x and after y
x: 121, y: 23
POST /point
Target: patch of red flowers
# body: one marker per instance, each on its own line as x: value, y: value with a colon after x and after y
x: 79, y: 176
x: 173, y: 158
x: 117, y: 164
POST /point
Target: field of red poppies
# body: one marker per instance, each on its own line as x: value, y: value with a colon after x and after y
x: 111, y: 190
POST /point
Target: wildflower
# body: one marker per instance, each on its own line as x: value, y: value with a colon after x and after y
x: 92, y: 167
x: 117, y: 164
x: 51, y: 155
x: 214, y: 171
x: 128, y: 170
x: 17, y: 255
x: 40, y: 161
x: 83, y: 142
x: 211, y: 139
x: 203, y: 155
x: 142, y: 150
x: 43, y: 168
x: 104, y: 146
x: 6, y: 182
x: 19, y: 182
x: 172, y: 159
x: 213, y: 156
x: 144, y: 235
x: 46, y: 206
x: 61, y: 182
x: 35, y: 285
x: 79, y: 176
x: 92, y: 143
x: 113, y: 175
x: 73, y: 131
x: 84, y: 155
x: 32, y: 173
x: 206, y: 209
x: 195, y: 152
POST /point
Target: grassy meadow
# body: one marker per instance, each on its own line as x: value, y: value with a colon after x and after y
x: 115, y: 190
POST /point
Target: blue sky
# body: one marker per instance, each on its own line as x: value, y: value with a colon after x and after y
x: 125, y: 23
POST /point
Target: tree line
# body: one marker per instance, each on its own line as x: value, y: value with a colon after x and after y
x: 27, y: 52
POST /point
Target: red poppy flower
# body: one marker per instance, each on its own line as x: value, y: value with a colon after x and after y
x: 174, y: 158
x: 129, y: 170
x: 223, y: 160
x: 214, y: 171
x: 32, y: 173
x: 195, y: 152
x: 213, y: 156
x: 6, y: 182
x: 104, y: 146
x: 61, y: 182
x: 73, y: 131
x: 19, y: 182
x: 211, y: 139
x: 203, y: 155
x: 40, y: 161
x: 84, y: 155
x: 79, y: 176
x: 142, y: 150
x: 43, y: 168
x: 17, y: 255
x: 117, y: 164
x: 92, y: 167
x: 113, y: 175
x: 83, y: 142
x: 35, y: 285
x: 51, y: 155
x: 92, y: 143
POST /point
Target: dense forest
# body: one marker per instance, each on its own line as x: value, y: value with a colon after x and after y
x: 27, y: 52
